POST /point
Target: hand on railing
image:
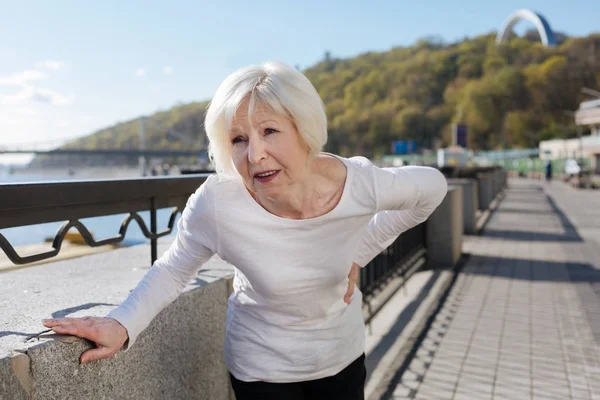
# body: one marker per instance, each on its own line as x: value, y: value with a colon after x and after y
x: 108, y: 334
x: 352, y: 279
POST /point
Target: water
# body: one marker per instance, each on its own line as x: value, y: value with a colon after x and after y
x: 100, y: 227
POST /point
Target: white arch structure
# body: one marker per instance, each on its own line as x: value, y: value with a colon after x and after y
x: 542, y: 26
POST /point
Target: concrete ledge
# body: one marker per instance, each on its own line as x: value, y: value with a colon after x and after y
x: 15, y: 381
x: 179, y: 356
x: 470, y: 203
x: 485, y: 190
x: 445, y: 230
x: 420, y: 301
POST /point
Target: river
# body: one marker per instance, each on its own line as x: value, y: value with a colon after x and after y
x: 100, y: 227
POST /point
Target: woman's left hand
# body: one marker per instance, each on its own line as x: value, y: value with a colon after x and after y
x: 352, y: 279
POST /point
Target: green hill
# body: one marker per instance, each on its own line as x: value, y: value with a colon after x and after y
x: 513, y: 95
x: 177, y: 128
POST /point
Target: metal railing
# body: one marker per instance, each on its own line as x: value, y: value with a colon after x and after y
x: 37, y: 203
x: 69, y: 201
x: 397, y: 260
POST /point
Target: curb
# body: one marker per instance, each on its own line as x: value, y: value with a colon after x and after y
x: 396, y: 360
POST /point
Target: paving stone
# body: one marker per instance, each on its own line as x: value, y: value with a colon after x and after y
x: 403, y: 391
x: 523, y: 318
x: 436, y: 393
x: 581, y: 395
x: 439, y: 384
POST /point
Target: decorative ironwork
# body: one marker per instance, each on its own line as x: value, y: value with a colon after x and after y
x: 35, y: 203
x: 87, y: 237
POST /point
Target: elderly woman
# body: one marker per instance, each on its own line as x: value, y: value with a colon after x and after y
x: 296, y: 223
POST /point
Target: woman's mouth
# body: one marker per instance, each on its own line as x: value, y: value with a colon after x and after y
x: 266, y: 176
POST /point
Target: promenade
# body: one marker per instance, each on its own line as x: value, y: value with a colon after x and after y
x: 522, y: 320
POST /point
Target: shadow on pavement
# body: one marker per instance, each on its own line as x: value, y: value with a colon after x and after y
x: 570, y: 232
x: 375, y: 356
x: 534, y: 270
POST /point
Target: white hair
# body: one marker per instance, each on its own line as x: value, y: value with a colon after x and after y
x: 274, y: 84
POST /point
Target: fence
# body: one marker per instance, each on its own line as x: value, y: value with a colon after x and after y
x: 397, y: 260
x: 527, y: 165
x: 36, y: 203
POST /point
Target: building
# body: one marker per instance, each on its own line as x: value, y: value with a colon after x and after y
x: 587, y: 115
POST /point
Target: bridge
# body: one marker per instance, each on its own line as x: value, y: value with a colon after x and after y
x: 541, y: 25
x: 50, y: 148
x: 106, y: 152
x: 60, y: 147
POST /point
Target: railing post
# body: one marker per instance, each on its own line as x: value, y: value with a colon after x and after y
x: 153, y: 230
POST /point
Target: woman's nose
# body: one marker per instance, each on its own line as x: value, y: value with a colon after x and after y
x: 256, y: 150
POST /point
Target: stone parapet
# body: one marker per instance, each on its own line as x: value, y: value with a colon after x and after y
x: 470, y: 203
x: 179, y: 356
x: 445, y: 230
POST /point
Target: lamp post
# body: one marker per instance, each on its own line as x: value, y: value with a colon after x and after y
x: 142, y: 162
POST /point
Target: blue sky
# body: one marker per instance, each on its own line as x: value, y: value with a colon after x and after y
x: 68, y: 68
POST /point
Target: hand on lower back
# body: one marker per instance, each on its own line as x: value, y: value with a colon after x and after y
x: 352, y: 280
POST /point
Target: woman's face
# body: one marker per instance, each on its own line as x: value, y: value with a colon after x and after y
x: 267, y: 150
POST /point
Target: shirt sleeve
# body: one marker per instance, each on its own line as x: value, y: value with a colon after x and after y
x: 194, y: 244
x: 406, y: 197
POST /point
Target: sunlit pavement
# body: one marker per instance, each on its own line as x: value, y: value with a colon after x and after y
x: 523, y: 318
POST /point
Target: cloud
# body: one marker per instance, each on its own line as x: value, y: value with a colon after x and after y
x: 168, y: 70
x: 51, y: 64
x: 52, y: 97
x: 31, y: 94
x: 22, y: 78
x: 27, y: 91
x: 141, y: 72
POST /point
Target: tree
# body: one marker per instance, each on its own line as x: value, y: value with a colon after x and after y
x: 512, y: 94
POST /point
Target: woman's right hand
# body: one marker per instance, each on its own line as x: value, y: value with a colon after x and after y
x: 108, y: 334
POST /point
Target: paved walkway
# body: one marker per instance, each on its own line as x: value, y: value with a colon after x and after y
x: 523, y: 318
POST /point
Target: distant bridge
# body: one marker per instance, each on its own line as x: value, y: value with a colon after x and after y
x: 50, y: 148
x: 541, y: 24
x: 106, y: 152
x: 194, y: 146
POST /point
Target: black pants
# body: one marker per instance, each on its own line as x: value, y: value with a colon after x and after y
x: 348, y: 384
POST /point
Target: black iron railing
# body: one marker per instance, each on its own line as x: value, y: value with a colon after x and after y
x: 36, y: 203
x: 397, y: 260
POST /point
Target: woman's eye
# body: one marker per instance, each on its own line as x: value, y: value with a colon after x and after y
x: 237, y: 139
x: 269, y: 131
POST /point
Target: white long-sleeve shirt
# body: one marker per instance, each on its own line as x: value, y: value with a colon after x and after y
x: 286, y: 318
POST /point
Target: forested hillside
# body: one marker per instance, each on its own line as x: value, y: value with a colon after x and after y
x: 512, y: 95
x: 177, y: 128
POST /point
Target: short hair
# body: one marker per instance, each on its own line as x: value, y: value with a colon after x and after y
x: 274, y: 84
